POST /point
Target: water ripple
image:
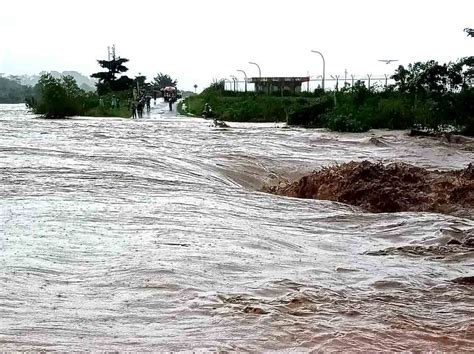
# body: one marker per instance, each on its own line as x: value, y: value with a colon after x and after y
x: 151, y: 235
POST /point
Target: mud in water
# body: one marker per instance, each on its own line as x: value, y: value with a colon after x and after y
x: 394, y: 187
x: 152, y: 235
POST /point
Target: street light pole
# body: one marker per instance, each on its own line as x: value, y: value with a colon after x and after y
x: 259, y: 71
x: 324, y: 65
x: 245, y: 79
x: 233, y: 79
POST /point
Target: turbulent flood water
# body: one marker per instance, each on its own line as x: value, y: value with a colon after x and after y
x: 151, y: 234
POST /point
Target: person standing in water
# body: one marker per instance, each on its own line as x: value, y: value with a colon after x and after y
x: 133, y: 106
x: 148, y: 105
x: 140, y: 106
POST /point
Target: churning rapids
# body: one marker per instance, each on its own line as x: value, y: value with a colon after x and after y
x: 151, y: 234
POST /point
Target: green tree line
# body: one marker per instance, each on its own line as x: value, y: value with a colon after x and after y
x: 424, y: 94
x: 61, y: 97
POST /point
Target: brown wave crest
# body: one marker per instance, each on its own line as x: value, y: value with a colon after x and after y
x: 395, y: 187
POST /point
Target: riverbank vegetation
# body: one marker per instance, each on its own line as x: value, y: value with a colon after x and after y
x: 427, y: 95
x: 60, y: 97
x: 244, y: 107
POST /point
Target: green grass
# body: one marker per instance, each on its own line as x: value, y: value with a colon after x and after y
x: 247, y: 108
x: 94, y: 109
x: 122, y: 112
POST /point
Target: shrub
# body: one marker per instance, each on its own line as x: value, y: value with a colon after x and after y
x: 312, y: 115
x: 464, y: 104
x: 345, y: 123
x: 59, y: 97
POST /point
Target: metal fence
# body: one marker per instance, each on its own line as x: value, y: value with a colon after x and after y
x: 333, y: 82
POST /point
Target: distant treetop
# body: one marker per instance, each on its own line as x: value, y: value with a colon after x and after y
x: 108, y: 80
x: 164, y: 80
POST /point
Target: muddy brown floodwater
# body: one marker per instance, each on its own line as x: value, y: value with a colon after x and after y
x: 395, y: 187
x: 152, y: 235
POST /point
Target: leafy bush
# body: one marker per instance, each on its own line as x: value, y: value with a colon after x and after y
x: 465, y: 110
x: 312, y: 115
x: 345, y: 123
x: 59, y: 97
x: 393, y: 113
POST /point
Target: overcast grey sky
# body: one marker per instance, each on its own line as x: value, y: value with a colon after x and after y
x: 196, y: 41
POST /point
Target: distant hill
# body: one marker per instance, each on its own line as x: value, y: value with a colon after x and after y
x: 83, y: 82
x: 11, y: 91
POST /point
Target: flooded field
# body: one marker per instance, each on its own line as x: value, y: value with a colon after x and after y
x: 151, y: 234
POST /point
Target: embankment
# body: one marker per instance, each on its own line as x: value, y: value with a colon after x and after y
x: 395, y: 187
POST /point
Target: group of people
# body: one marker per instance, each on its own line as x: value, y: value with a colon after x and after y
x: 137, y: 103
x: 114, y: 102
x: 207, y: 111
x: 138, y: 106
